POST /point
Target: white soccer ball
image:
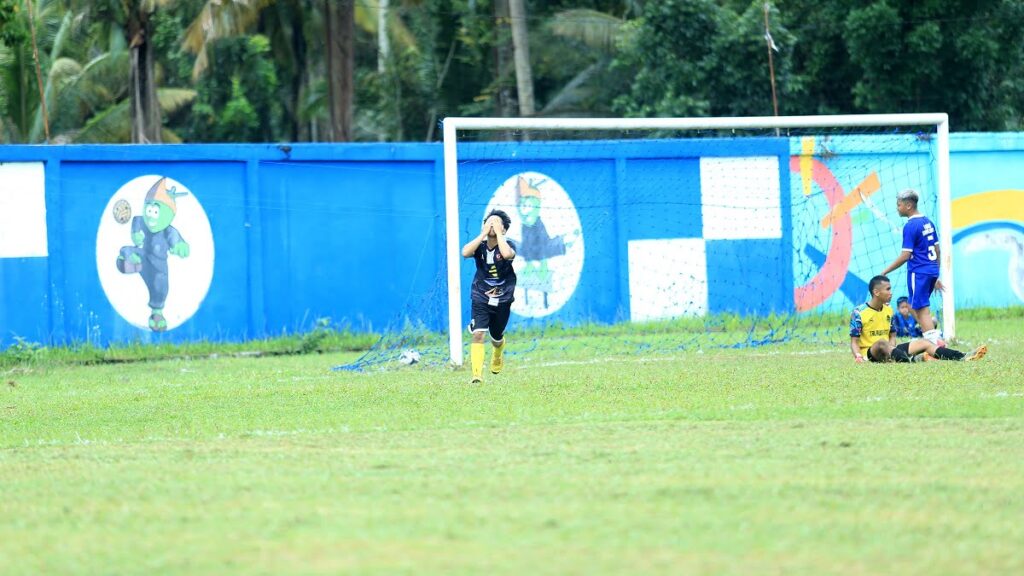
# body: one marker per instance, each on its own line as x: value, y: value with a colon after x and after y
x: 408, y: 357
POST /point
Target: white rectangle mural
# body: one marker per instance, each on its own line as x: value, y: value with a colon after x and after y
x: 667, y: 279
x: 22, y: 210
x: 741, y: 198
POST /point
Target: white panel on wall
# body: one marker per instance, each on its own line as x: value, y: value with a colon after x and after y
x: 22, y: 210
x: 740, y: 198
x: 667, y: 278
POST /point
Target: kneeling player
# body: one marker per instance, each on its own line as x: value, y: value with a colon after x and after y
x: 873, y: 333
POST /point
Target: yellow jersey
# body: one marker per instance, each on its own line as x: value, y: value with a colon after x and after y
x: 869, y: 325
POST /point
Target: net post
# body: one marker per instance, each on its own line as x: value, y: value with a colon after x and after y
x: 945, y: 227
x: 453, y: 257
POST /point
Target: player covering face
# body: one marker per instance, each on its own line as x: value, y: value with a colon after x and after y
x: 492, y: 291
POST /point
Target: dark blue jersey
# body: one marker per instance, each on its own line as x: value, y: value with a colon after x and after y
x: 494, y: 277
x: 922, y: 241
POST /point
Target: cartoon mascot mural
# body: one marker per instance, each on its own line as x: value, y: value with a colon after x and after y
x: 536, y: 246
x: 153, y: 238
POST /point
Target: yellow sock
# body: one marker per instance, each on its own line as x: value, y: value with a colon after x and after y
x: 497, y: 360
x: 476, y: 358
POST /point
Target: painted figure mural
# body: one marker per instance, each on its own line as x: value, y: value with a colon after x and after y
x: 153, y: 239
x: 536, y: 246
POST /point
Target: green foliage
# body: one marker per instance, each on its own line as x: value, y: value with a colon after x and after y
x: 672, y: 55
x: 13, y: 30
x: 266, y: 76
x: 238, y: 100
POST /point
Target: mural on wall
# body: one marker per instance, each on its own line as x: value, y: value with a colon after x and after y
x: 549, y: 237
x: 833, y: 267
x: 23, y: 210
x: 988, y: 229
x: 154, y: 253
x: 844, y: 236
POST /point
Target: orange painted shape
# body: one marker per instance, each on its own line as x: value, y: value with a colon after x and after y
x: 869, y: 186
x: 837, y: 261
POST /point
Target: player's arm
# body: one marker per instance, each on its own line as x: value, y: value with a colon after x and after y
x: 503, y: 246
x: 899, y: 261
x: 939, y: 286
x: 892, y: 338
x: 856, y: 327
x: 855, y: 348
x: 470, y: 248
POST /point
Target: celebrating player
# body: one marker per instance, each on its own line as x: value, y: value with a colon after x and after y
x: 873, y: 333
x: 921, y: 250
x: 492, y: 291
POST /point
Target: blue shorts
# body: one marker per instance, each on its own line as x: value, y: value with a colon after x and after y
x: 921, y: 287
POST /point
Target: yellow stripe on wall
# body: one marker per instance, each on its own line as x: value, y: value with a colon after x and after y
x: 1005, y: 205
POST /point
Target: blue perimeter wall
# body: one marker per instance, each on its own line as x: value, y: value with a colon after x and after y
x: 355, y: 233
x: 302, y: 232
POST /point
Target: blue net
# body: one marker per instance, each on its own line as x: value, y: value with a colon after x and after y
x: 644, y: 243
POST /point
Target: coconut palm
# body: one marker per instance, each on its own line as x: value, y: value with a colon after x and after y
x: 600, y: 33
x: 18, y: 82
x: 329, y: 23
x: 87, y: 80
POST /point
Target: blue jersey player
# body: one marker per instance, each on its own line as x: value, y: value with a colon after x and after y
x: 903, y: 321
x: 492, y: 291
x: 921, y: 254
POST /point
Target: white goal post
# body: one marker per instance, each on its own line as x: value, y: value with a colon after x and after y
x: 451, y: 180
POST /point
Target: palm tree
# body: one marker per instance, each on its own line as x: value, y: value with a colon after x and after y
x: 132, y: 20
x: 144, y: 108
x: 339, y: 27
x: 295, y: 22
x: 18, y: 81
x: 521, y: 56
x: 599, y: 32
x: 87, y: 80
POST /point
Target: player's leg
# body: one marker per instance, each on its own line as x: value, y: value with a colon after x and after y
x: 479, y: 326
x: 499, y: 320
x: 901, y: 353
x: 922, y: 346
x: 921, y: 287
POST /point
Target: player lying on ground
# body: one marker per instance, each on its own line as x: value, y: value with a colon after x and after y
x: 873, y: 332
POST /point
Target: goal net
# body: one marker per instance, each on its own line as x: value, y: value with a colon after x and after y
x: 651, y: 236
x: 656, y: 235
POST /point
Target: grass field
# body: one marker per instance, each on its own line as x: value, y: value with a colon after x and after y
x: 773, y: 460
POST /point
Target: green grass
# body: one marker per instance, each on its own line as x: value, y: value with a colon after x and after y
x: 771, y: 460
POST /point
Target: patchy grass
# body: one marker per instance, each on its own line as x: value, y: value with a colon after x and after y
x: 776, y: 459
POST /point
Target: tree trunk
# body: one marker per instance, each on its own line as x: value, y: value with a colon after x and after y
x: 340, y: 29
x: 383, y: 42
x: 143, y: 104
x: 503, y: 104
x: 521, y: 45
